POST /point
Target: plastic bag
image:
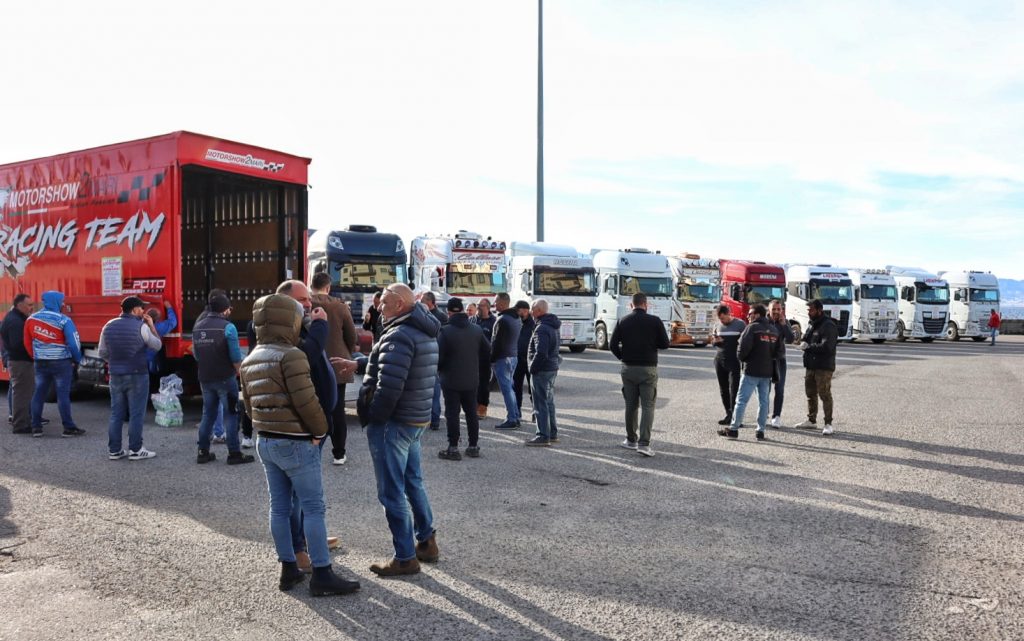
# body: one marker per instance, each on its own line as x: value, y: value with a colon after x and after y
x: 168, y: 407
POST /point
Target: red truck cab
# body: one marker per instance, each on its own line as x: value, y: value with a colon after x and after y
x: 746, y: 283
x: 166, y: 218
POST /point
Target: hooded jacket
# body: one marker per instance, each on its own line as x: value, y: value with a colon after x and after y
x: 402, y: 369
x: 759, y: 348
x: 821, y: 337
x: 49, y: 334
x: 276, y: 385
x: 461, y: 348
x: 542, y: 355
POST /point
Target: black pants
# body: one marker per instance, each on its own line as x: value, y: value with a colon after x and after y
x: 483, y: 393
x: 728, y: 383
x: 454, y: 401
x: 521, y: 373
x: 244, y: 421
x: 780, y: 390
x: 339, y: 428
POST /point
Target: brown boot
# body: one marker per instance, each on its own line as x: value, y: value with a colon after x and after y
x: 394, y: 567
x: 302, y: 560
x: 481, y: 411
x: 426, y: 551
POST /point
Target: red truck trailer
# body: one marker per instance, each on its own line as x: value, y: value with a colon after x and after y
x: 746, y: 283
x: 166, y: 218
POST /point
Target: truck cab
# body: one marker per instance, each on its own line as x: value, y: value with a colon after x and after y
x: 562, y: 277
x: 875, y: 305
x: 697, y: 292
x: 973, y: 296
x: 746, y: 283
x: 622, y: 273
x: 830, y: 285
x: 467, y: 265
x: 924, y: 304
x: 360, y: 261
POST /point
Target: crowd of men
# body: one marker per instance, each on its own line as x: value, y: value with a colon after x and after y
x: 289, y: 391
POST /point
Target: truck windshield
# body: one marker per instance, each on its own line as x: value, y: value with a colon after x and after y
x: 764, y: 293
x: 475, y: 283
x: 564, y: 282
x: 878, y: 292
x: 366, y: 277
x: 984, y: 295
x: 651, y: 286
x: 698, y: 293
x: 832, y: 293
x: 932, y: 295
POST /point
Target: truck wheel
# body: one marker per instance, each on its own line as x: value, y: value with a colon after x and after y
x: 877, y: 341
x: 977, y: 339
x: 952, y: 332
x: 600, y: 336
x: 901, y: 335
x: 927, y: 339
x: 577, y: 349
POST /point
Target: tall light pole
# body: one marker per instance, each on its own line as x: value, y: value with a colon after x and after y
x: 540, y: 120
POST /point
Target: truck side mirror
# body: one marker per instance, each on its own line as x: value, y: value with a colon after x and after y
x: 856, y: 295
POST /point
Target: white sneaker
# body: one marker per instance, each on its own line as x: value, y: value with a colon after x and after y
x: 776, y: 422
x: 140, y: 455
x: 340, y: 461
x: 114, y: 456
x: 828, y: 430
x: 220, y: 440
x: 628, y: 444
x: 247, y: 443
x: 645, y: 450
x: 805, y: 425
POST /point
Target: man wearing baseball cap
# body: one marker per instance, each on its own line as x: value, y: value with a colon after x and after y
x: 124, y: 342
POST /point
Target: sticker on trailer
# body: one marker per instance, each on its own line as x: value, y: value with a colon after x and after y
x: 112, y: 269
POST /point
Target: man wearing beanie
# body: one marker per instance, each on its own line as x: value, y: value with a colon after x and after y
x: 124, y: 342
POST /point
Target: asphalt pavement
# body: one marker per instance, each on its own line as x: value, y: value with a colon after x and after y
x: 905, y: 524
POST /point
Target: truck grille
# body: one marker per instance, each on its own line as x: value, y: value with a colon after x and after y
x: 842, y: 323
x: 880, y: 326
x: 934, y: 325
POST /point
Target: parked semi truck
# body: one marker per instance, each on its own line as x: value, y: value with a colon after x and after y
x: 360, y: 261
x: 746, y: 283
x: 467, y: 265
x: 697, y: 294
x: 166, y: 218
x: 562, y: 277
x: 830, y: 285
x: 973, y: 296
x: 622, y: 273
x: 924, y: 304
x: 875, y: 305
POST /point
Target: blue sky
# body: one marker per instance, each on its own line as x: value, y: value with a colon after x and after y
x: 854, y: 133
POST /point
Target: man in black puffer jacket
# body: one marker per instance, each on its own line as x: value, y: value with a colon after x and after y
x: 543, y: 361
x: 461, y: 348
x: 396, y: 397
x: 759, y: 351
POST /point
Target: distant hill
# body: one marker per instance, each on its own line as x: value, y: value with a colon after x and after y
x: 1011, y: 290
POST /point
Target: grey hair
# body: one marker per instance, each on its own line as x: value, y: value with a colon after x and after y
x: 540, y: 304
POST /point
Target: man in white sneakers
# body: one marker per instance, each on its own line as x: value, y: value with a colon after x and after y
x: 819, y: 348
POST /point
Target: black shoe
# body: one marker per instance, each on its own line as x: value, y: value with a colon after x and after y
x: 326, y: 583
x: 725, y: 421
x: 760, y: 435
x: 44, y: 421
x: 290, y: 575
x: 450, y: 454
x: 73, y: 431
x: 507, y: 425
x: 24, y: 430
x: 473, y: 451
x: 237, y: 458
x: 205, y: 456
x: 435, y: 428
x: 729, y: 433
x: 553, y: 439
x: 37, y: 432
x: 539, y: 441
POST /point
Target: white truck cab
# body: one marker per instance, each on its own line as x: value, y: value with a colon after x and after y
x: 875, y: 305
x: 924, y: 304
x: 562, y: 277
x: 831, y: 285
x: 622, y: 273
x: 698, y: 293
x: 973, y: 296
x: 467, y: 265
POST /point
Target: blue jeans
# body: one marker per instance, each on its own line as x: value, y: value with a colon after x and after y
x: 129, y: 395
x: 435, y: 409
x: 763, y: 385
x: 293, y: 468
x: 218, y: 425
x: 503, y: 370
x: 395, y: 450
x: 59, y: 373
x: 544, y: 403
x: 298, y: 535
x: 223, y: 395
x: 994, y: 331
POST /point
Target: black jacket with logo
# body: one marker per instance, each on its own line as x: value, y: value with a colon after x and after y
x: 821, y: 337
x: 759, y: 348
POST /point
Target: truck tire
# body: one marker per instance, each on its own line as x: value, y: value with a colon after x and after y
x: 601, y: 336
x: 901, y: 335
x: 577, y: 349
x: 978, y: 339
x: 952, y: 332
x: 877, y: 341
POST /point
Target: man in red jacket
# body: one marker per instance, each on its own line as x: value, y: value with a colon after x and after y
x: 993, y: 325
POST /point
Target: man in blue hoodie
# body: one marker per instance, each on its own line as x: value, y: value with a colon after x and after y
x: 51, y: 339
x: 543, y: 361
